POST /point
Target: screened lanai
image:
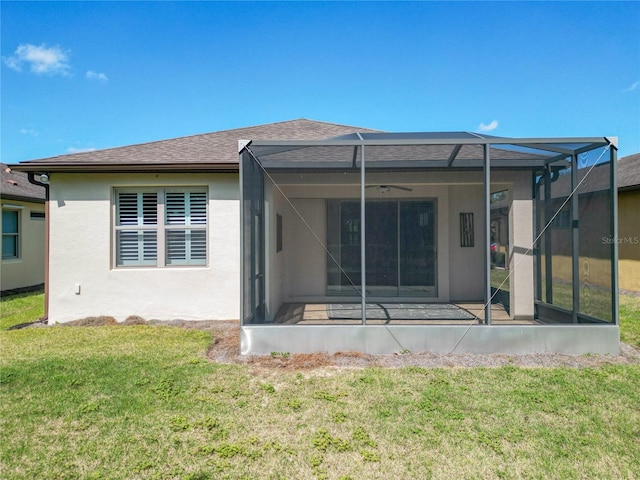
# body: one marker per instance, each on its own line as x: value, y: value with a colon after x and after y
x: 443, y: 242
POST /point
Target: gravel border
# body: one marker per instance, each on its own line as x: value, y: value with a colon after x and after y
x: 225, y: 348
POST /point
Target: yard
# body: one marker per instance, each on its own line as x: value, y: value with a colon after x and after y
x: 147, y: 402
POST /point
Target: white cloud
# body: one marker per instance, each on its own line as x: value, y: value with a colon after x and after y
x: 632, y: 87
x: 488, y: 127
x: 79, y: 150
x: 42, y: 60
x: 29, y: 131
x: 91, y: 75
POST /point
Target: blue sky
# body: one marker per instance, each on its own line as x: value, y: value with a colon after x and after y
x: 92, y: 75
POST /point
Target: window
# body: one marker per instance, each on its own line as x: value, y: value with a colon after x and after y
x: 160, y: 227
x: 10, y: 233
x: 562, y: 220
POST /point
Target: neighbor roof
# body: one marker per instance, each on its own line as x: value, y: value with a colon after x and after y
x: 629, y: 172
x: 16, y: 186
x: 208, y: 151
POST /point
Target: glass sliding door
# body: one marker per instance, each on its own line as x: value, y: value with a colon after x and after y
x: 382, y: 247
x: 417, y: 254
x: 400, y: 250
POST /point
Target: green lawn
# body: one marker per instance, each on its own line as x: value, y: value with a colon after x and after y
x: 144, y: 402
x: 21, y: 308
x: 629, y: 305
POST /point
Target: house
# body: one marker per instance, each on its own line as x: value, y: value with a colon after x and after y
x: 23, y: 232
x: 329, y: 237
x: 629, y: 223
x: 628, y: 238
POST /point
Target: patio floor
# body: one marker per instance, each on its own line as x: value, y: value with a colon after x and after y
x: 320, y: 313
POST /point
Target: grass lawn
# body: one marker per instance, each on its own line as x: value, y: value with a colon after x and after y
x: 21, y: 308
x: 144, y: 402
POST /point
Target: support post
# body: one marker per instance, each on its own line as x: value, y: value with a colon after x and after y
x: 575, y: 239
x: 243, y: 244
x: 363, y: 270
x: 487, y: 233
x: 548, y: 258
x: 613, y: 155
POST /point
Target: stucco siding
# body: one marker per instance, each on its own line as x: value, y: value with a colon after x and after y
x: 629, y: 240
x: 521, y: 291
x: 84, y: 280
x: 28, y: 269
x: 466, y: 264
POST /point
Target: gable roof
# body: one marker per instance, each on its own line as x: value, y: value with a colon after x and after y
x: 16, y: 186
x: 208, y: 151
x: 629, y: 172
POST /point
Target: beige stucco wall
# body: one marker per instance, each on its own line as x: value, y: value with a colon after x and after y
x: 83, y: 280
x: 520, y: 255
x: 28, y: 269
x: 629, y: 240
x: 466, y: 264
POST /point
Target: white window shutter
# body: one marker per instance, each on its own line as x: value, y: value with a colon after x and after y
x: 176, y: 208
x: 198, y: 246
x: 182, y: 235
x: 127, y: 208
x: 134, y: 246
x: 198, y: 208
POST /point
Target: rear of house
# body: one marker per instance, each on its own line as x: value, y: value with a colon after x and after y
x: 182, y: 228
x: 152, y: 229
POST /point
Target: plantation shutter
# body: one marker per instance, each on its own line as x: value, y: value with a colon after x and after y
x: 186, y: 246
x: 160, y: 226
x: 136, y: 246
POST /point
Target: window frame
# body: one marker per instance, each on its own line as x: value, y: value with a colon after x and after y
x: 17, y: 236
x: 162, y: 227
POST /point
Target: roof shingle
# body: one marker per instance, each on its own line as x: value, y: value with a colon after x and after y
x: 629, y: 172
x: 15, y: 185
x: 205, y: 149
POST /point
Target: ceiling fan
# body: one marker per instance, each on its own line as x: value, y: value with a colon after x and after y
x: 386, y: 188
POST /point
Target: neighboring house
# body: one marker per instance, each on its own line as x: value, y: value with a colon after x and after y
x: 23, y: 232
x: 629, y: 222
x: 267, y: 224
x: 628, y: 238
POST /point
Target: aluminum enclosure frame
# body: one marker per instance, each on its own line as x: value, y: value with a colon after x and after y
x: 528, y: 153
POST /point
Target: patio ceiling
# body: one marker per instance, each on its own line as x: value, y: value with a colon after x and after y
x: 420, y: 150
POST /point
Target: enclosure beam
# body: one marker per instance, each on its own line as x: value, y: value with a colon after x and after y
x: 243, y: 245
x: 454, y: 154
x: 363, y: 238
x: 613, y: 156
x: 548, y: 259
x: 590, y: 142
x: 575, y: 239
x: 487, y: 233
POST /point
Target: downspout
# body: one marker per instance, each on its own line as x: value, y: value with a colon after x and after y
x: 33, y: 181
x: 549, y: 176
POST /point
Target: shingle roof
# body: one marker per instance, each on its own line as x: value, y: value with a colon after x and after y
x: 629, y: 172
x: 217, y: 148
x: 627, y: 175
x: 15, y: 185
